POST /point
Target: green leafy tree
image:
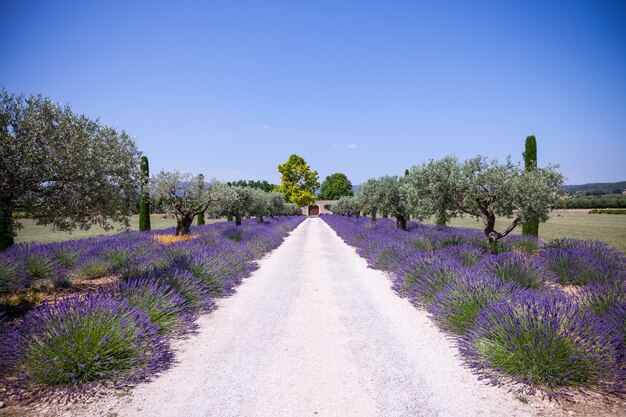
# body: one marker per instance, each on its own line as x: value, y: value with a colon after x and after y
x: 431, y: 189
x: 64, y: 169
x: 347, y: 206
x: 260, y: 205
x: 369, y: 197
x: 239, y: 206
x: 530, y: 227
x: 393, y: 199
x: 200, y: 219
x: 277, y: 204
x: 298, y: 182
x: 144, y: 195
x: 185, y: 196
x: 487, y: 190
x: 335, y: 186
x: 261, y: 185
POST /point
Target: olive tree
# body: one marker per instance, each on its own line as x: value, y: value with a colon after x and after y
x: 259, y: 204
x: 393, y: 199
x: 186, y: 196
x: 277, y: 204
x: 369, y: 196
x: 239, y: 206
x: 64, y: 169
x: 347, y: 206
x: 488, y: 189
x: 431, y: 190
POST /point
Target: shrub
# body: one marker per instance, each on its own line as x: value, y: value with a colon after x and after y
x: 11, y: 275
x: 467, y: 254
x: 525, y: 244
x: 456, y: 307
x: 195, y: 297
x: 92, y: 268
x: 4, y: 338
x: 433, y: 278
x: 580, y: 262
x: 81, y: 340
x: 527, y: 271
x: 600, y: 298
x: 544, y: 341
x: 40, y: 265
x: 165, y: 307
x: 67, y: 257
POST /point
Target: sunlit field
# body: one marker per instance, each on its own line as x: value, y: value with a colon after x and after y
x: 577, y: 224
x: 35, y: 233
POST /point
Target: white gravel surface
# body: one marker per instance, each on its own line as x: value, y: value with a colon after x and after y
x: 315, y: 332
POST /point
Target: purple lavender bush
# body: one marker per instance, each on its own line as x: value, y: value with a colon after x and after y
x: 427, y: 283
x: 544, y: 341
x: 77, y: 341
x: 457, y: 305
x: 120, y: 334
x: 527, y: 271
x: 465, y: 253
x: 580, y: 262
x: 164, y: 306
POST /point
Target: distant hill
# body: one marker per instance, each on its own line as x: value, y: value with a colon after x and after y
x: 600, y: 188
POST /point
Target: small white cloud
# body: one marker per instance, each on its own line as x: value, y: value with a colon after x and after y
x: 352, y: 146
x: 266, y: 127
x: 335, y: 145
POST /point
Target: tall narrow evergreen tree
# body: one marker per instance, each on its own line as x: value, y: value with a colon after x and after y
x: 144, y: 197
x: 530, y: 227
x: 201, y: 215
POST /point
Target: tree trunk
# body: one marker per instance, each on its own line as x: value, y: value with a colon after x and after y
x: 490, y: 232
x: 441, y: 220
x: 229, y: 217
x: 183, y: 225
x: 401, y: 222
x: 201, y: 219
x: 374, y: 216
x: 6, y: 229
x: 385, y: 215
x: 259, y: 219
x: 237, y: 220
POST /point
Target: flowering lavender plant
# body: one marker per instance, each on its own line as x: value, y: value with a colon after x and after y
x: 543, y: 340
x: 79, y: 340
x: 527, y: 271
x: 456, y: 307
x: 580, y: 262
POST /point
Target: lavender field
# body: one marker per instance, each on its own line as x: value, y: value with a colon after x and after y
x: 153, y: 287
x: 547, y: 316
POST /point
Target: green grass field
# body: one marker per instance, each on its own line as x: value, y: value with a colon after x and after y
x: 577, y: 224
x: 35, y: 233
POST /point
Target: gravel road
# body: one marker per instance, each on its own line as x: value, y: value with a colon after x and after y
x: 315, y: 332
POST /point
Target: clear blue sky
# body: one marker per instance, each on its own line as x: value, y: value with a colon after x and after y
x: 232, y: 88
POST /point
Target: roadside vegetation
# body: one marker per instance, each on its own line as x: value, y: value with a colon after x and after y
x: 147, y: 287
x: 547, y: 315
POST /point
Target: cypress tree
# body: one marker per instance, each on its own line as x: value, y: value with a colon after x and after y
x: 530, y: 163
x: 201, y: 215
x: 144, y: 197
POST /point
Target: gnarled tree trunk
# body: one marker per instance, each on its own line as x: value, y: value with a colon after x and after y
x: 183, y: 224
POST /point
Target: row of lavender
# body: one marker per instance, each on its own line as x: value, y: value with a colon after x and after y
x: 551, y: 316
x: 120, y: 334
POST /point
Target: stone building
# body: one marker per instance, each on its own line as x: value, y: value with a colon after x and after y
x: 319, y: 207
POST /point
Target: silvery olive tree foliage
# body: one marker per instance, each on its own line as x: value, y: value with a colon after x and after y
x: 368, y: 197
x: 260, y: 205
x: 432, y: 190
x: 277, y: 204
x: 393, y: 199
x: 64, y: 169
x: 186, y: 196
x: 487, y: 190
x: 239, y: 206
x: 347, y: 206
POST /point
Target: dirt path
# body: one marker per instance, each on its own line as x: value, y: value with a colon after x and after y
x: 315, y: 332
